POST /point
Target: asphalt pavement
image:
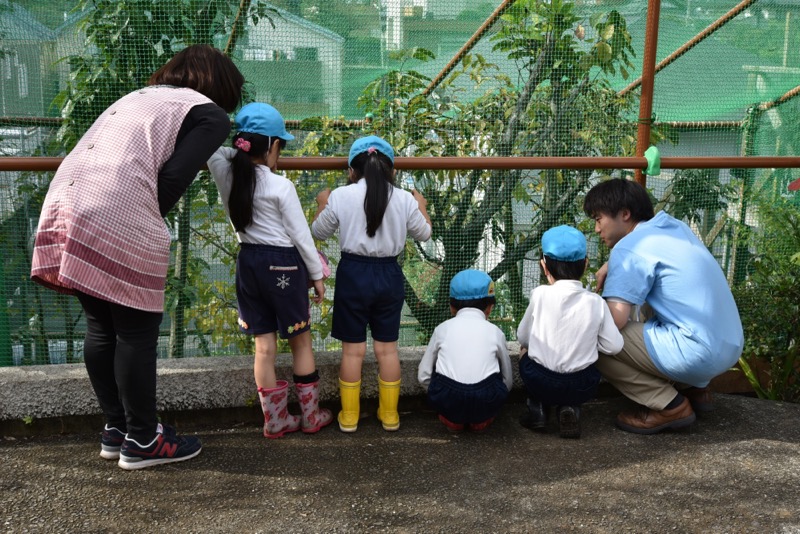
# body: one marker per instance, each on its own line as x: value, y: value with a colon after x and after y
x: 736, y: 470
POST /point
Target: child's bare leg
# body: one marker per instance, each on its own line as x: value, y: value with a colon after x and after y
x: 264, y: 364
x: 388, y: 384
x: 302, y: 354
x: 352, y: 358
x: 388, y: 360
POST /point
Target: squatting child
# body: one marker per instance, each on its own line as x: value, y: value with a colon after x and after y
x: 564, y: 327
x: 466, y: 368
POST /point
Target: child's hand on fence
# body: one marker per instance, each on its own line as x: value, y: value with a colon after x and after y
x: 322, y: 197
x: 422, y: 203
x: 419, y: 198
x: 322, y: 201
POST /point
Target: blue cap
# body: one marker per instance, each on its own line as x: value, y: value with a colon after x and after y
x: 471, y: 285
x: 564, y: 243
x: 371, y: 141
x: 263, y: 119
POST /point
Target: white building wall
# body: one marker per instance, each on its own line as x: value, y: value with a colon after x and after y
x: 265, y: 42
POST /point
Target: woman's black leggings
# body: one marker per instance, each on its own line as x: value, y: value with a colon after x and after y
x: 120, y: 353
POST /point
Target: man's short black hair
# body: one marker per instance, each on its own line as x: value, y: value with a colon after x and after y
x: 565, y: 270
x: 612, y: 196
x: 480, y: 304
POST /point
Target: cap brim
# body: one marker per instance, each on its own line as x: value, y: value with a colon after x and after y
x: 795, y: 186
x: 286, y: 136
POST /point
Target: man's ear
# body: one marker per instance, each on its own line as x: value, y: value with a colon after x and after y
x: 626, y: 214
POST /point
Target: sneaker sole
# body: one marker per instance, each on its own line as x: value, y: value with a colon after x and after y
x: 672, y: 425
x: 109, y: 454
x: 130, y: 465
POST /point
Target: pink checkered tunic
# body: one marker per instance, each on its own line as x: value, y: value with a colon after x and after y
x: 100, y: 231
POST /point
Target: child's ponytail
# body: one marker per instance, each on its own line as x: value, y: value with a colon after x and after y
x: 243, y: 187
x: 378, y: 171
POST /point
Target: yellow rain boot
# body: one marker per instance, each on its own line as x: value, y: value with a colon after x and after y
x: 350, y: 393
x: 388, y: 395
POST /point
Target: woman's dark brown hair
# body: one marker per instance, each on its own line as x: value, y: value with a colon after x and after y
x: 206, y: 70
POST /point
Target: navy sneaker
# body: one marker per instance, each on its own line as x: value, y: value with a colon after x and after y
x: 166, y: 447
x: 110, y: 442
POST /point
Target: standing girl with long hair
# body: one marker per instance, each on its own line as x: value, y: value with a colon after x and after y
x: 276, y: 260
x: 374, y: 218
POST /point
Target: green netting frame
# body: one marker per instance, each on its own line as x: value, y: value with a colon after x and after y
x: 731, y: 94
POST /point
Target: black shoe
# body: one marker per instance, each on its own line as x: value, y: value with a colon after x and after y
x: 569, y: 422
x: 535, y: 418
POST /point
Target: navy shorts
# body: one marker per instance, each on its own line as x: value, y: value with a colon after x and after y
x: 467, y: 403
x: 369, y: 292
x: 558, y: 389
x: 272, y: 290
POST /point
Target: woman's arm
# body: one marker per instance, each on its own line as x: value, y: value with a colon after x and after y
x: 204, y: 129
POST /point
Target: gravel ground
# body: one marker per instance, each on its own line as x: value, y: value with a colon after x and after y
x: 736, y: 470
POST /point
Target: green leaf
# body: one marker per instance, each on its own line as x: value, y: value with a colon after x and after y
x: 607, y: 33
x: 604, y: 52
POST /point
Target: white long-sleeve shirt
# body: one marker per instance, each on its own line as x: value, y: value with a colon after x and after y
x: 278, y: 217
x: 566, y: 325
x: 345, y: 211
x: 466, y: 348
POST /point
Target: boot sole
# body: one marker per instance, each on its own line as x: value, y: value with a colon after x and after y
x: 568, y: 425
x: 280, y: 434
x: 315, y: 429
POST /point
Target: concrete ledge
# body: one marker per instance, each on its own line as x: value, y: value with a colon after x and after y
x: 194, y: 385
x: 50, y: 391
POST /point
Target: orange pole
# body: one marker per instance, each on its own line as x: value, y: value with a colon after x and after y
x: 488, y: 163
x: 648, y: 81
x: 471, y: 42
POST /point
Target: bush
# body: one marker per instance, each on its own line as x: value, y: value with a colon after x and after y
x: 769, y: 301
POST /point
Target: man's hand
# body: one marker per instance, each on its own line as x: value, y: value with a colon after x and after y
x: 600, y: 277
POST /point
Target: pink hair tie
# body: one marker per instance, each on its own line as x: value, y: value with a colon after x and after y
x: 242, y: 144
x: 371, y: 150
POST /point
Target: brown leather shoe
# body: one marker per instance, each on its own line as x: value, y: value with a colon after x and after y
x: 700, y: 398
x: 647, y: 421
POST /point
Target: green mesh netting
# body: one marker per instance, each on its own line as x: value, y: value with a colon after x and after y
x: 546, y: 78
